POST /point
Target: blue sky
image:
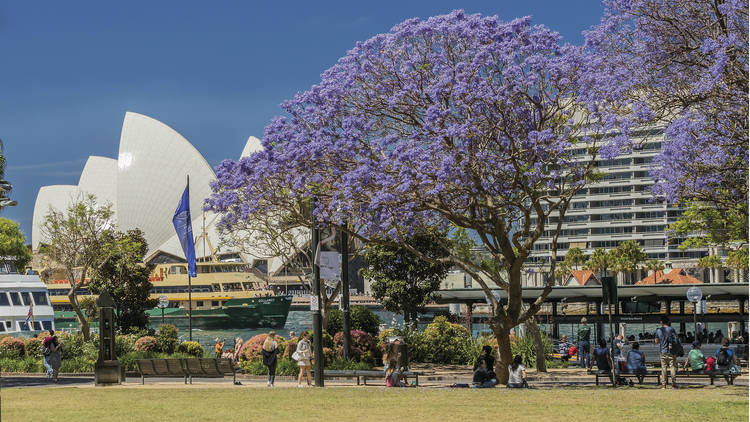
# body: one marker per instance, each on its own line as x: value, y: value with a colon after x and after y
x: 214, y: 71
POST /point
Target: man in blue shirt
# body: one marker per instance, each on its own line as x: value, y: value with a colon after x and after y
x: 664, y: 335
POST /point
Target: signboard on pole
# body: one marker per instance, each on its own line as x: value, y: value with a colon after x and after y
x: 330, y: 266
x: 314, y: 304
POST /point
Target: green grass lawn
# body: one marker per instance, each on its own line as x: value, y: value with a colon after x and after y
x: 371, y: 403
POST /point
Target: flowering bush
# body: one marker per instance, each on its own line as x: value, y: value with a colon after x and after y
x: 33, y: 347
x: 361, y: 343
x: 146, y: 344
x: 192, y: 348
x: 251, y: 349
x: 12, y: 347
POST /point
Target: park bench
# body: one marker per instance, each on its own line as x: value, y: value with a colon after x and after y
x: 726, y: 374
x: 186, y: 368
x: 648, y: 374
x: 362, y: 375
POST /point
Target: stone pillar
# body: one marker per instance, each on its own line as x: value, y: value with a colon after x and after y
x: 555, y: 325
x: 682, y: 314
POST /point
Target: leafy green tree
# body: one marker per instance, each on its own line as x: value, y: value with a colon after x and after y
x: 76, y: 237
x: 126, y: 278
x: 701, y: 226
x: 13, y: 244
x: 574, y: 258
x: 738, y: 260
x: 654, y: 265
x: 627, y: 257
x: 599, y: 262
x: 362, y: 318
x: 402, y: 281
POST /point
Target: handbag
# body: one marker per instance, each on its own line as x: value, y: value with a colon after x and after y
x: 296, y: 355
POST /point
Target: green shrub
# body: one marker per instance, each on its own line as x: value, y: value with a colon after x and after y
x: 284, y: 367
x: 524, y: 346
x: 78, y: 364
x: 362, y: 318
x: 361, y: 343
x: 167, y: 338
x: 33, y: 347
x: 138, y: 332
x: 25, y: 364
x: 124, y: 344
x: 441, y: 342
x: 74, y: 346
x: 127, y: 360
x: 13, y: 347
x: 146, y: 344
x: 347, y: 364
x: 192, y: 348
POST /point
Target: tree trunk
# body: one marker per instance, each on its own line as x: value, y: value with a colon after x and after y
x: 414, y: 321
x: 73, y: 298
x: 541, y: 358
x: 504, y: 354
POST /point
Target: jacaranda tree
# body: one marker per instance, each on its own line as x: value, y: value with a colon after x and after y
x: 460, y: 121
x: 682, y: 64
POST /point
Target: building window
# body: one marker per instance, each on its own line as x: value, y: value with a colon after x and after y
x: 40, y: 298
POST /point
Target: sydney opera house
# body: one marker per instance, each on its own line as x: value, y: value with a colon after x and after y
x: 144, y: 185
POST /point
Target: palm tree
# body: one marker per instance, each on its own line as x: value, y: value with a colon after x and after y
x: 5, y: 187
x: 654, y: 265
x: 711, y: 262
x: 574, y: 257
x: 599, y: 262
x: 630, y: 255
x: 738, y: 261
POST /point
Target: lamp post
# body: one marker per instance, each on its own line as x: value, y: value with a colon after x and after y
x: 694, y: 294
x: 315, y: 301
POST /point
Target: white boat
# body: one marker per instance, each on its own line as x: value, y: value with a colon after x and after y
x: 21, y: 295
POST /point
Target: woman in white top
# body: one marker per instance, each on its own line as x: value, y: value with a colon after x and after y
x: 303, y: 355
x: 517, y: 374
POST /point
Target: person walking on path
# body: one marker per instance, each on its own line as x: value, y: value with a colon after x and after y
x: 584, y: 347
x: 270, y: 352
x: 54, y: 356
x: 665, y: 335
x: 303, y: 356
x: 46, y: 343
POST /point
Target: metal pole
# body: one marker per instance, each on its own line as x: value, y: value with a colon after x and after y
x: 695, y: 320
x: 190, y: 284
x: 190, y: 308
x: 162, y: 316
x: 344, y: 304
x: 611, y: 340
x: 317, y: 318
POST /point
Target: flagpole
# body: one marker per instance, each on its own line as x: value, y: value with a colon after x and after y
x: 190, y: 285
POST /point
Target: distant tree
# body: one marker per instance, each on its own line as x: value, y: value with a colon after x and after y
x: 575, y: 257
x: 712, y: 263
x: 654, y: 265
x: 702, y: 225
x: 76, y: 237
x: 124, y: 275
x: 599, y: 262
x: 13, y: 244
x: 738, y: 260
x: 562, y: 271
x: 89, y: 306
x: 627, y: 257
x: 403, y: 281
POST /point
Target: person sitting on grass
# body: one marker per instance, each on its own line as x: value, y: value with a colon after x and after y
x: 484, y: 377
x: 517, y: 374
x: 636, y: 362
x: 696, y: 361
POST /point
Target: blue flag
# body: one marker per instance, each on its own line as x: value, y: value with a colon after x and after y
x: 184, y: 227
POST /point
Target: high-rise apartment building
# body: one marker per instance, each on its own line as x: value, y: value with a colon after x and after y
x: 617, y: 208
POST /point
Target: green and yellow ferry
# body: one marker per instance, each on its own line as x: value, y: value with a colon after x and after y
x: 224, y: 295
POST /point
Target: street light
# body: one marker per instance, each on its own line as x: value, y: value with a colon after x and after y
x: 694, y: 294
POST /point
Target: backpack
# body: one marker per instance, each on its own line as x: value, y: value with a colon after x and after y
x: 675, y: 347
x: 723, y: 358
x: 710, y: 363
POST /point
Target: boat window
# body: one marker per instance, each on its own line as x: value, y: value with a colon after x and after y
x: 8, y: 324
x: 47, y: 325
x: 40, y: 298
x: 16, y: 298
x: 199, y: 303
x: 23, y: 326
x: 177, y: 269
x: 26, y: 298
x: 4, y: 299
x: 37, y: 326
x: 2, y: 328
x: 214, y: 303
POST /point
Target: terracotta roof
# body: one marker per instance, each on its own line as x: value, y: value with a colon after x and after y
x: 584, y: 277
x: 676, y: 276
